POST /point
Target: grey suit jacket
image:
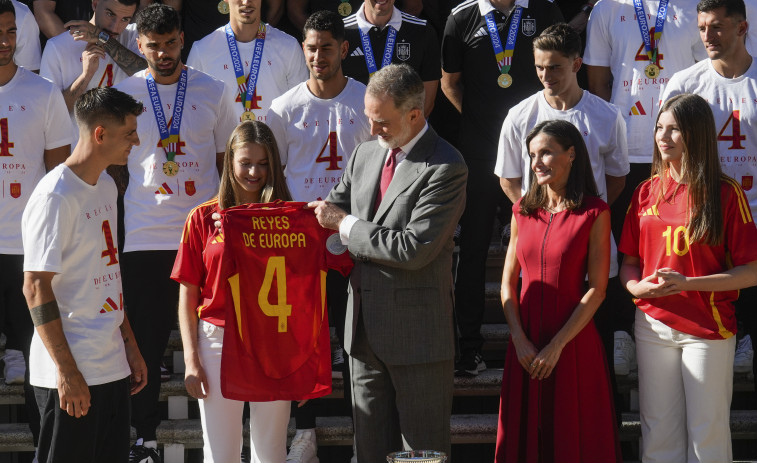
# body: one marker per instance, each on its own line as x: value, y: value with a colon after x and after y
x: 402, y: 280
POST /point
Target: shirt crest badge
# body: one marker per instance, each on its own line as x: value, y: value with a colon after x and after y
x: 746, y: 182
x: 528, y: 26
x: 403, y: 51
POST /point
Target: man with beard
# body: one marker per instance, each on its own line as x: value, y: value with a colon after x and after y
x: 256, y: 61
x: 183, y: 134
x: 95, y: 53
x: 317, y: 125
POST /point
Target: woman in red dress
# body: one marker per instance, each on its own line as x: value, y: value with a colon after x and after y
x: 556, y: 403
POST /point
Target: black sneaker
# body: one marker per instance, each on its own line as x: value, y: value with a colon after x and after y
x: 141, y: 454
x: 470, y: 364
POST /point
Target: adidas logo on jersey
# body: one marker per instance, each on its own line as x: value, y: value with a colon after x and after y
x: 164, y: 190
x: 481, y: 32
x: 358, y: 52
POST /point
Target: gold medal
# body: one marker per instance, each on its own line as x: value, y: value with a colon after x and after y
x: 170, y: 168
x: 248, y: 116
x: 652, y: 71
x: 344, y: 9
x: 504, y: 80
x: 223, y: 7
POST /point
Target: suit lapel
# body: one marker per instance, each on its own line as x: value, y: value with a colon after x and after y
x: 407, y: 171
x: 367, y: 192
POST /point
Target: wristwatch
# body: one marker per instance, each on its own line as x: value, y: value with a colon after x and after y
x: 587, y: 8
x: 103, y: 37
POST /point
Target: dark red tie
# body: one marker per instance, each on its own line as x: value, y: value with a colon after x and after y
x: 387, y: 172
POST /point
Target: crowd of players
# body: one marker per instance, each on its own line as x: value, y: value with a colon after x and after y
x: 240, y: 66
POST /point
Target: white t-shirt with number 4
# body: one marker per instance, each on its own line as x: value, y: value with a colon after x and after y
x: 316, y: 137
x: 734, y: 105
x: 282, y: 66
x: 613, y: 40
x: 69, y: 228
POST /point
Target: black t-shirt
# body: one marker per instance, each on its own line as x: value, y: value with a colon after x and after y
x: 416, y: 45
x: 467, y: 48
x: 70, y: 10
x: 199, y: 18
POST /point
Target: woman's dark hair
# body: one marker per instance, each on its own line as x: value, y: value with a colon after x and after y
x: 580, y: 179
x: 275, y: 187
x: 700, y: 167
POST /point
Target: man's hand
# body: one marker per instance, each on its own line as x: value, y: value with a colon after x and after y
x: 91, y: 57
x: 73, y: 393
x: 137, y: 366
x: 83, y: 30
x: 328, y: 215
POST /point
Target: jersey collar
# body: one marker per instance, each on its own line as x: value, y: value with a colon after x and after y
x: 485, y: 6
x: 395, y: 21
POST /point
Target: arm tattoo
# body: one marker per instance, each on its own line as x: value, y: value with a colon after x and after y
x: 45, y: 313
x: 126, y: 59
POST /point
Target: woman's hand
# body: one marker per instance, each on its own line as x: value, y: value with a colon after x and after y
x: 545, y: 361
x: 655, y: 286
x: 674, y: 279
x: 195, y: 380
x: 525, y: 351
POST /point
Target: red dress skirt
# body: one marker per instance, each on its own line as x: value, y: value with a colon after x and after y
x: 568, y: 417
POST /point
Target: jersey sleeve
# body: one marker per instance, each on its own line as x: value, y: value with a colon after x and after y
x: 57, y: 123
x: 431, y: 66
x: 298, y: 71
x: 28, y: 52
x: 629, y: 238
x: 50, y: 67
x: 509, y: 158
x: 277, y: 124
x: 194, y: 60
x: 337, y: 257
x: 672, y: 88
x: 188, y: 266
x: 616, y: 156
x: 44, y: 226
x: 598, y: 50
x: 226, y: 120
x: 452, y: 46
x: 740, y: 233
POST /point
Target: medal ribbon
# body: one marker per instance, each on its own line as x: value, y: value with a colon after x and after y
x: 641, y: 20
x: 370, y: 60
x: 236, y: 61
x: 504, y: 57
x: 169, y: 137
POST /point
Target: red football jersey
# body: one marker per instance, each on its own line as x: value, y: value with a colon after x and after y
x: 276, y: 345
x: 199, y: 262
x: 657, y: 234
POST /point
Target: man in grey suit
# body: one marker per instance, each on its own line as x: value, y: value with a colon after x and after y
x: 396, y: 208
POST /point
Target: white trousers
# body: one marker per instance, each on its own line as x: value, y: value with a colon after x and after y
x: 222, y: 418
x: 685, y: 388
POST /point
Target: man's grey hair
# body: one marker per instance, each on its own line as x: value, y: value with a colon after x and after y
x: 401, y: 83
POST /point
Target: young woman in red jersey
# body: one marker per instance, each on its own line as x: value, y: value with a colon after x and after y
x: 688, y: 241
x: 556, y: 402
x: 252, y: 173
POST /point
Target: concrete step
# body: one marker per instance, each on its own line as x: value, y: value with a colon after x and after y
x: 337, y: 430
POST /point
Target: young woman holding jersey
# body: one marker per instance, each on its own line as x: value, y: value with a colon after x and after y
x: 252, y: 173
x: 688, y: 241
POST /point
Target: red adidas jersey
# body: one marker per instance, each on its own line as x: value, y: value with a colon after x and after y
x: 657, y: 234
x: 199, y: 262
x: 276, y: 344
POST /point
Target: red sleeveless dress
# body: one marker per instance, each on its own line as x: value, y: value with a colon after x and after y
x: 568, y: 417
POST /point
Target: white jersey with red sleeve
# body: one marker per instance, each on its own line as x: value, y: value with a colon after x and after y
x: 33, y: 118
x: 734, y: 106
x: 656, y: 232
x: 276, y: 343
x: 316, y: 136
x: 282, y: 67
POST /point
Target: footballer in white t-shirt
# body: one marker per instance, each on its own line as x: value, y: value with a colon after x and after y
x: 155, y: 204
x: 33, y: 121
x: 615, y: 42
x: 282, y: 67
x: 316, y: 137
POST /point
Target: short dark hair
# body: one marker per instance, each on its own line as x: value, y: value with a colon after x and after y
x: 100, y: 106
x: 128, y: 2
x: 561, y: 38
x: 733, y: 8
x: 325, y: 21
x: 6, y: 6
x: 580, y: 179
x: 158, y: 19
